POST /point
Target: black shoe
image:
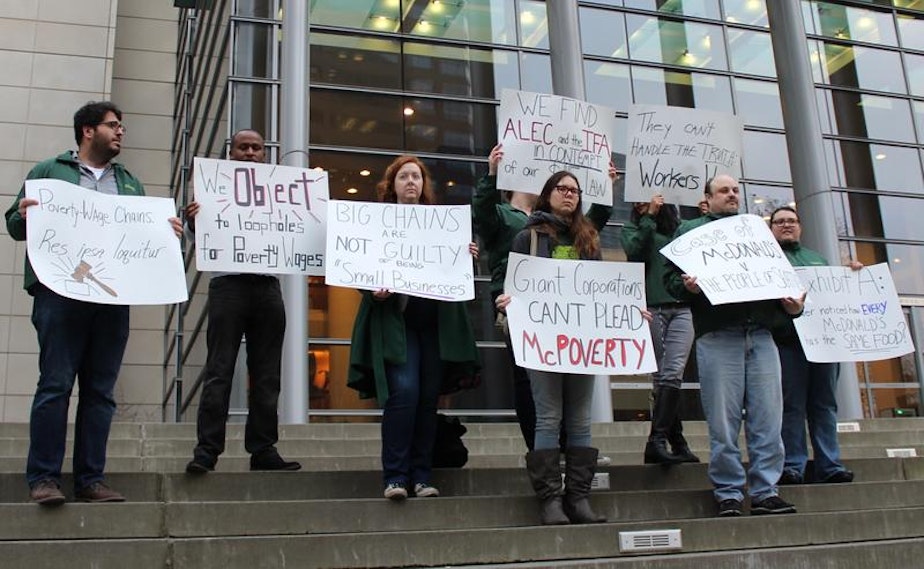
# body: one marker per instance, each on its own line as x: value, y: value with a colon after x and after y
x: 273, y: 461
x: 772, y: 505
x: 47, y: 492
x: 730, y: 508
x: 199, y: 466
x: 839, y: 477
x: 656, y: 452
x: 789, y: 478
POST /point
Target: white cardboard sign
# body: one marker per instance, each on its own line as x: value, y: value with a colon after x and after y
x: 735, y: 259
x: 418, y: 250
x: 101, y: 248
x: 259, y: 218
x: 675, y: 150
x: 543, y: 134
x: 578, y: 316
x: 852, y: 316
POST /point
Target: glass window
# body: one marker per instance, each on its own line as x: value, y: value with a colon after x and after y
x: 868, y: 116
x: 919, y: 118
x: 901, y: 217
x: 874, y: 69
x: 255, y: 50
x: 907, y: 265
x: 759, y: 103
x: 356, y: 119
x: 608, y: 84
x: 911, y: 30
x: 534, y: 25
x: 915, y: 64
x: 681, y: 89
x: 255, y: 8
x: 814, y: 49
x: 763, y: 200
x: 697, y: 8
x: 765, y: 157
x: 877, y: 166
x: 451, y: 127
x: 858, y: 24
x: 676, y: 43
x: 362, y: 14
x: 910, y: 4
x: 751, y: 52
x: 751, y: 12
x: 355, y: 60
x: 489, y: 21
x: 252, y: 107
x: 603, y: 32
x: 464, y: 71
x: 535, y: 72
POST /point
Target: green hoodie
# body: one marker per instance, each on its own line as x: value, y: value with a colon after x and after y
x: 707, y: 317
x: 643, y: 244
x: 62, y: 167
x: 798, y: 256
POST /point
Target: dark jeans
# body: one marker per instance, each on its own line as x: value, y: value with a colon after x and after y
x: 409, y: 417
x: 79, y: 340
x: 251, y: 306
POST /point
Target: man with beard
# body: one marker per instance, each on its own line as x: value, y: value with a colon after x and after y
x: 81, y: 340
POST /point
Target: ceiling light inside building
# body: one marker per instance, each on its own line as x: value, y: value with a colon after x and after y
x: 408, y: 111
x: 352, y: 191
x: 880, y: 156
x: 364, y: 172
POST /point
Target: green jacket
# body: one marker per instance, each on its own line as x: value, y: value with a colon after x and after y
x: 798, y: 256
x: 707, y: 317
x: 379, y: 338
x: 643, y: 244
x: 497, y: 223
x: 62, y: 167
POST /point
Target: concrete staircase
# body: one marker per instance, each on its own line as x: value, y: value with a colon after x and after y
x: 332, y: 515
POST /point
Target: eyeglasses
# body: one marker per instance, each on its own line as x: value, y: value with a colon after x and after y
x: 785, y: 222
x: 114, y: 125
x: 565, y: 190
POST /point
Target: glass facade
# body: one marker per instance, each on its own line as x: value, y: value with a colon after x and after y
x: 424, y: 76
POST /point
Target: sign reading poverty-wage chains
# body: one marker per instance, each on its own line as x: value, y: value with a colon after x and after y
x: 673, y: 151
x: 578, y: 316
x: 543, y: 134
x: 735, y: 259
x: 851, y: 316
x: 419, y: 250
x: 259, y: 218
x: 101, y: 248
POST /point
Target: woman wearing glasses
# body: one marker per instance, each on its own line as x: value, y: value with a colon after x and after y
x: 558, y: 229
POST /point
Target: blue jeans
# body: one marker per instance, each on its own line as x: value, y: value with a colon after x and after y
x: 809, y: 394
x: 82, y: 341
x: 671, y: 338
x: 562, y: 397
x: 409, y: 416
x: 739, y: 368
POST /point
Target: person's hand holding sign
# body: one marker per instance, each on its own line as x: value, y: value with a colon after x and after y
x: 794, y: 306
x: 689, y: 282
x: 494, y: 158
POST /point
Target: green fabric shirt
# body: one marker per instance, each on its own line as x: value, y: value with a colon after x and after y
x: 798, y: 256
x: 62, y: 167
x: 643, y: 244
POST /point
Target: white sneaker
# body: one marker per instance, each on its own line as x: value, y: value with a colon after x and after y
x: 424, y: 490
x: 396, y: 491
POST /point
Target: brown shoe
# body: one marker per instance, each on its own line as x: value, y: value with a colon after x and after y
x: 99, y: 492
x: 46, y: 493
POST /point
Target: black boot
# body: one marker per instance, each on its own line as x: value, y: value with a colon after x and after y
x: 580, y: 464
x: 545, y: 476
x: 656, y: 451
x: 679, y: 446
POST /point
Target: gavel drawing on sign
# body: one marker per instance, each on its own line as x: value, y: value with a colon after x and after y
x: 82, y: 271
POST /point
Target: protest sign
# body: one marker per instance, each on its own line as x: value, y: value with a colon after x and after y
x: 851, y: 316
x: 735, y: 259
x: 259, y: 218
x: 101, y: 248
x: 543, y: 134
x: 675, y: 150
x: 418, y: 250
x: 578, y: 316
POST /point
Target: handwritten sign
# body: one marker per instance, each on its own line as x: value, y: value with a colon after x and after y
x: 543, y: 134
x: 418, y: 250
x: 101, y: 248
x: 735, y: 259
x: 578, y: 316
x: 675, y: 150
x: 259, y: 218
x: 851, y: 316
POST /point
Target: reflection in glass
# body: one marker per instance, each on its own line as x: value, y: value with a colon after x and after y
x: 751, y: 12
x: 918, y: 107
x: 463, y: 71
x: 910, y: 4
x: 255, y: 8
x: 853, y: 66
x: 534, y: 25
x: 603, y: 33
x: 915, y: 64
x: 252, y: 107
x: 758, y: 103
x: 697, y: 8
x: 681, y: 89
x: 676, y: 43
x: 535, y: 72
x: 911, y: 30
x: 350, y: 119
x: 348, y: 171
x: 869, y: 116
x: 254, y: 50
x: 608, y: 84
x: 878, y: 166
x: 901, y: 217
x: 765, y: 157
x: 751, y: 52
x: 489, y: 21
x: 858, y: 24
x: 355, y: 60
x: 763, y: 200
x: 451, y: 127
x: 384, y: 16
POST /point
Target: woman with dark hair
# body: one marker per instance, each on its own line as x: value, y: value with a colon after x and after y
x: 406, y: 351
x: 651, y: 226
x: 558, y: 229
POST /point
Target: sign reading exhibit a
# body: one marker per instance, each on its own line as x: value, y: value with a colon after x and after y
x: 259, y: 218
x: 102, y: 248
x: 851, y: 316
x: 418, y: 250
x: 578, y: 316
x: 735, y: 259
x: 543, y: 134
x: 673, y: 151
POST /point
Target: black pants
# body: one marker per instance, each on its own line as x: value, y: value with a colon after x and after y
x: 239, y: 306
